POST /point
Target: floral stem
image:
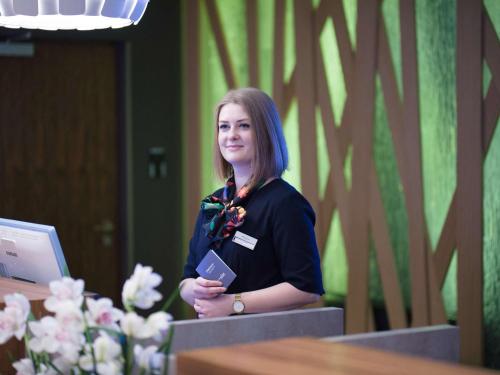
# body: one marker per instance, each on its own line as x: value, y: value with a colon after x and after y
x: 173, y: 296
x: 89, y: 341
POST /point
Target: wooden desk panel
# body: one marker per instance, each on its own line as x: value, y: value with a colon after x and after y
x: 310, y: 356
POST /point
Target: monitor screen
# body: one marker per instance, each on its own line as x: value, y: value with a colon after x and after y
x: 30, y: 252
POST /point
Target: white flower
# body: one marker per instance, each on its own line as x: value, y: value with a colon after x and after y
x: 133, y: 325
x: 148, y: 358
x: 70, y: 316
x: 52, y: 337
x: 139, y: 289
x: 13, y: 318
x: 24, y: 367
x: 62, y: 290
x: 157, y: 325
x: 101, y: 312
x: 107, y: 356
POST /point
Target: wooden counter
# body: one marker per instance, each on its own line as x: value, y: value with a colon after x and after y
x: 310, y: 356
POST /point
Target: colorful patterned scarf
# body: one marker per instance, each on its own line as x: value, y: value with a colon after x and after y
x: 226, y: 214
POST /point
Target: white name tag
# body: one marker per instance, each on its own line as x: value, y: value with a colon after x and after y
x: 245, y: 240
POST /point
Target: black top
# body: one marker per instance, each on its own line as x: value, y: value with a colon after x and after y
x: 282, y: 221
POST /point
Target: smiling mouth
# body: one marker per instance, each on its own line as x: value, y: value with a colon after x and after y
x: 234, y: 147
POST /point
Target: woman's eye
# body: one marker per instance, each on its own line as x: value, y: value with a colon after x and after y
x: 223, y: 126
x: 244, y: 125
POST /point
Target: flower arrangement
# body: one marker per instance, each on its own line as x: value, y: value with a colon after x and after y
x: 90, y: 336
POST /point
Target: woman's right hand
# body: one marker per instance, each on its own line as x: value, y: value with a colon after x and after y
x: 206, y: 289
x: 200, y: 288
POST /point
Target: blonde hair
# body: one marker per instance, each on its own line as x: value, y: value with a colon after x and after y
x: 271, y: 155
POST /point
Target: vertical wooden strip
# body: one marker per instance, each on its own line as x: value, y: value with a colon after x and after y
x: 385, y: 256
x: 421, y: 314
x: 342, y: 35
x: 192, y: 91
x: 491, y: 111
x: 469, y: 181
x: 252, y: 37
x: 279, y: 45
x: 213, y: 16
x: 446, y: 244
x: 304, y: 79
x: 364, y: 96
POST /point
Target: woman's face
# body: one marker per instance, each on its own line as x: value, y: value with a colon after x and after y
x: 235, y: 136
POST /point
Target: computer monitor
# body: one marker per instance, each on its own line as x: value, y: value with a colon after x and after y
x: 30, y: 252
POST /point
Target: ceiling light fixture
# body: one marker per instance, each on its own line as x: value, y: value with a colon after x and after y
x: 70, y: 14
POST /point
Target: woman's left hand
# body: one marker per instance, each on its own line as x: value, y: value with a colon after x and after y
x: 222, y: 305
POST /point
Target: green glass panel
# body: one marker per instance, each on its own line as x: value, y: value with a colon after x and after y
x: 391, y: 190
x: 334, y: 263
x: 486, y: 78
x: 289, y: 43
x: 333, y: 67
x: 491, y: 253
x: 315, y: 3
x: 351, y: 14
x: 348, y: 168
x: 265, y: 26
x: 436, y: 48
x: 213, y: 87
x: 233, y: 21
x: 291, y: 131
x: 450, y: 289
x: 390, y: 11
x: 493, y: 9
x: 375, y: 285
x: 322, y: 154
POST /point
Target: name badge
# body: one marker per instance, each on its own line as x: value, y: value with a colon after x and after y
x: 245, y: 240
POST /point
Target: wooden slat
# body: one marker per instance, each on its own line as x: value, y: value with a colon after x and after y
x: 306, y: 100
x: 343, y: 41
x: 252, y: 36
x: 289, y: 93
x: 437, y: 312
x: 278, y: 67
x: 421, y: 306
x: 213, y: 16
x: 491, y: 46
x: 192, y: 114
x: 446, y: 244
x: 491, y: 111
x: 469, y: 181
x: 385, y: 257
x: 364, y: 92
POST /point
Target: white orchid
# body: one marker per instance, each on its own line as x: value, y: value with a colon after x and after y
x: 139, y: 289
x: 148, y: 358
x: 132, y: 325
x: 50, y: 336
x: 102, y: 313
x: 13, y: 318
x: 107, y: 356
x: 63, y: 290
x: 93, y: 337
x: 157, y: 325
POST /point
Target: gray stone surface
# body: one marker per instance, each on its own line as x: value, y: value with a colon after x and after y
x: 203, y: 333
x: 440, y: 342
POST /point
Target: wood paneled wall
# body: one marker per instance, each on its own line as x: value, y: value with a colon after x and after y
x: 360, y: 208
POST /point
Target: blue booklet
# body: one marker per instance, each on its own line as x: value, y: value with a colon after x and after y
x: 212, y: 267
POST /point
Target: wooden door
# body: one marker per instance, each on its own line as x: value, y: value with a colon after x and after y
x: 58, y: 153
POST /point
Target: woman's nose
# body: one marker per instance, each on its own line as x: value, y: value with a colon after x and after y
x: 233, y: 132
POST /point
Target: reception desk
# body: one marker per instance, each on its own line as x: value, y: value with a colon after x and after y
x: 36, y: 294
x: 310, y: 356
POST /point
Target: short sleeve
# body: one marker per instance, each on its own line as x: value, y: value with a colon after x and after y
x: 295, y: 244
x: 191, y: 264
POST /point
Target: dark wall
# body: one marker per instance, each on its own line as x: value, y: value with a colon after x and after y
x: 151, y: 54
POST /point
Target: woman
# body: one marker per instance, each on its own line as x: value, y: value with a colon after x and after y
x: 278, y: 268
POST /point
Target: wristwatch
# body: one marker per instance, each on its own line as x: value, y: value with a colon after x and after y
x: 238, y: 305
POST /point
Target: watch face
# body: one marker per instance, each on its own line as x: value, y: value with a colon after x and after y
x: 238, y: 307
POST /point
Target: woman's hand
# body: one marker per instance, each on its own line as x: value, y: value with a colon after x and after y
x: 200, y: 288
x: 222, y: 305
x: 207, y: 289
